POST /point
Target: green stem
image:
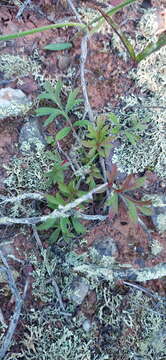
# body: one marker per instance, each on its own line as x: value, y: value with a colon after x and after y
x: 110, y: 13
x: 40, y: 29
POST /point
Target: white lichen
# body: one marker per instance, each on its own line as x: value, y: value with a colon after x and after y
x: 28, y: 172
x: 156, y: 248
x: 150, y: 149
x: 15, y: 66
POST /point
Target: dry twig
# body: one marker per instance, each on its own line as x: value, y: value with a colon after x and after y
x: 63, y: 211
x: 112, y: 273
x: 74, y: 11
x: 25, y: 196
x: 22, y: 8
x: 84, y: 52
x: 18, y: 304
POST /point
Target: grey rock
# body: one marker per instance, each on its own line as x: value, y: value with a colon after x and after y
x: 87, y: 325
x: 13, y: 102
x: 106, y: 247
x: 31, y: 137
x: 159, y: 211
x: 78, y: 290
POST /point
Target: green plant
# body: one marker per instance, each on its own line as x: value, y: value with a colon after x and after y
x: 54, y: 95
x: 148, y: 50
x: 118, y: 193
x: 99, y: 139
x: 63, y: 25
x: 130, y: 126
x: 56, y: 174
x: 63, y: 226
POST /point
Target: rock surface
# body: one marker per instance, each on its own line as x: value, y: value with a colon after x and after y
x: 159, y: 212
x: 13, y: 102
x: 78, y: 290
x: 31, y: 137
x: 106, y: 247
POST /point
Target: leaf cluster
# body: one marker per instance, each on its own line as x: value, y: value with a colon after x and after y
x: 130, y: 130
x: 56, y: 174
x: 53, y: 94
x: 134, y: 207
x: 63, y: 226
x: 98, y: 138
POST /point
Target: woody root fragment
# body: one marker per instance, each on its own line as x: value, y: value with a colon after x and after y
x: 119, y: 273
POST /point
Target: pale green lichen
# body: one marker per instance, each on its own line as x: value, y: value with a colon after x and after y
x: 159, y: 210
x: 15, y: 66
x: 131, y: 319
x: 148, y: 24
x: 28, y: 172
x: 150, y: 150
x: 43, y: 270
x: 161, y: 222
x: 89, y: 14
x: 151, y: 72
x: 15, y: 109
x: 156, y: 248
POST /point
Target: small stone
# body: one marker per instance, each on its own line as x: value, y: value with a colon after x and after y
x: 31, y: 137
x: 79, y: 290
x: 106, y: 247
x: 64, y: 62
x: 159, y: 211
x: 87, y: 325
x: 13, y: 102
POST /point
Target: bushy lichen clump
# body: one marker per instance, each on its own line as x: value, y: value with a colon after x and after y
x: 15, y: 109
x: 15, y: 66
x: 150, y: 75
x: 28, y: 172
x: 128, y: 327
x: 150, y: 150
x: 134, y: 321
x: 151, y: 72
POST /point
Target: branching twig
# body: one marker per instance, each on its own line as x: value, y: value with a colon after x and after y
x: 58, y: 294
x: 112, y: 273
x: 25, y: 196
x: 22, y: 8
x: 82, y: 71
x: 143, y: 289
x: 37, y: 238
x: 63, y: 211
x: 90, y: 217
x: 18, y: 304
x: 74, y: 11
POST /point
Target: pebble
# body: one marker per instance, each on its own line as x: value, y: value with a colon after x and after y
x: 87, y: 325
x: 78, y: 290
x: 11, y: 101
x: 31, y: 137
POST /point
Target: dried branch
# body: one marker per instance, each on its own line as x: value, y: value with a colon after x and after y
x: 63, y: 211
x: 18, y: 304
x: 37, y: 238
x: 84, y: 52
x: 90, y: 217
x: 74, y: 11
x: 54, y: 284
x: 143, y: 289
x: 25, y: 196
x: 119, y: 273
x: 22, y: 8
